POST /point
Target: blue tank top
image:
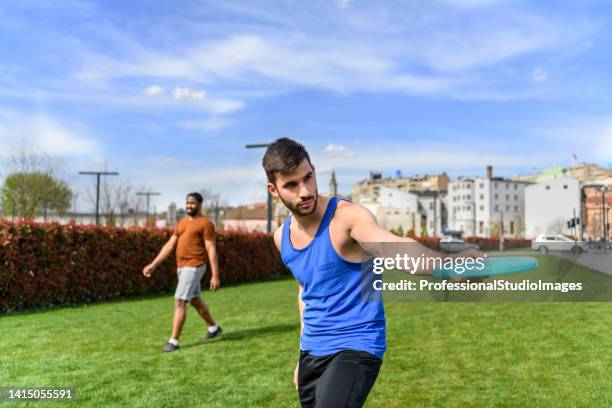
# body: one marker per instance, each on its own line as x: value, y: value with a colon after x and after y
x: 337, y: 316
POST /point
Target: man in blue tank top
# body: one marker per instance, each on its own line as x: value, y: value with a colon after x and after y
x: 342, y: 338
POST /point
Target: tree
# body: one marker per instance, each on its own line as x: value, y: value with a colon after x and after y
x: 31, y: 187
x: 213, y: 205
x: 557, y: 226
x: 30, y: 194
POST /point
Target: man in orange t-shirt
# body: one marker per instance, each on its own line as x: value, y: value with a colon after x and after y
x: 195, y: 235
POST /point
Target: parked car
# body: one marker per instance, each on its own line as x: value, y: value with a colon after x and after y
x: 452, y: 244
x: 557, y: 242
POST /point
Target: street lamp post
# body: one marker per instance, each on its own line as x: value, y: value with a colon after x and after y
x: 269, y: 205
x: 147, y: 194
x: 501, y: 231
x: 98, y: 174
x: 604, y: 213
x: 473, y: 204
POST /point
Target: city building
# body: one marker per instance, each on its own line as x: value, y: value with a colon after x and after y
x: 477, y: 206
x: 422, y: 212
x: 550, y: 203
x: 251, y: 217
x: 129, y: 219
x: 367, y: 191
x: 597, y: 205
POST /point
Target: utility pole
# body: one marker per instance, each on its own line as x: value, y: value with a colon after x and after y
x: 435, y: 205
x: 501, y: 232
x: 269, y: 206
x: 98, y: 174
x: 604, y: 213
x: 147, y: 194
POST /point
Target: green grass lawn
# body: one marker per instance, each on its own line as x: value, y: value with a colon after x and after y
x: 439, y: 354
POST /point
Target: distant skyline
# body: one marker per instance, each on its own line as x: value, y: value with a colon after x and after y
x: 169, y: 94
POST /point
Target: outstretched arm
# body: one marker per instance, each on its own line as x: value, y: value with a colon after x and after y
x: 277, y: 241
x: 161, y: 257
x: 301, y: 311
x: 365, y: 230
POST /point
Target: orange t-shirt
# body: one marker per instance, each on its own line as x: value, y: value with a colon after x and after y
x: 191, y: 233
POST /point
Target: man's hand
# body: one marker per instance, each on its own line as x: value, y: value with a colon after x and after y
x: 148, y: 270
x: 214, y: 283
x: 295, y: 375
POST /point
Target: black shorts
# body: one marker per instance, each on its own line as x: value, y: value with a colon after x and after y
x: 339, y: 380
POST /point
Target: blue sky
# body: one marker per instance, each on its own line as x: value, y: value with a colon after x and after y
x: 168, y: 93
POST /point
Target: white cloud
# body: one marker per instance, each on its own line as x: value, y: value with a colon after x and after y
x: 539, y: 75
x: 154, y: 90
x: 338, y: 150
x: 186, y: 93
x: 48, y: 134
x: 343, y: 4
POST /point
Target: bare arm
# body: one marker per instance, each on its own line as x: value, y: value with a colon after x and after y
x: 211, y: 249
x: 301, y: 312
x: 161, y: 256
x: 301, y: 308
x: 277, y: 241
x: 365, y: 229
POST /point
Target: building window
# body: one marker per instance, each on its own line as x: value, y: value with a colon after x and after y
x: 469, y: 197
x: 481, y: 185
x: 496, y: 196
x: 431, y: 206
x: 482, y: 208
x: 482, y: 196
x: 515, y: 197
x: 508, y: 208
x: 507, y: 197
x: 496, y: 207
x: 565, y: 186
x: 516, y: 186
x: 516, y: 208
x: 496, y: 185
x: 548, y: 187
x: 507, y: 186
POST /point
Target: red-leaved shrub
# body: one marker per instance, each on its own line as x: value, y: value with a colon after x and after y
x: 50, y: 264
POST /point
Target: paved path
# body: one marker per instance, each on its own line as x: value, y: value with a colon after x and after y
x: 599, y: 261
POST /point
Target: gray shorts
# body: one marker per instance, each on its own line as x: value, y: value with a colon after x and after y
x: 189, y: 278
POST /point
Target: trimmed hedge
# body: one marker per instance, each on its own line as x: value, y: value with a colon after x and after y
x: 52, y: 264
x: 493, y: 243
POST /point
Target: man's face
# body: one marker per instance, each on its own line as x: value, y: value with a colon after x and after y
x: 192, y: 206
x: 297, y: 190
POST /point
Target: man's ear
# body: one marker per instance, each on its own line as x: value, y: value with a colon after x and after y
x: 272, y: 189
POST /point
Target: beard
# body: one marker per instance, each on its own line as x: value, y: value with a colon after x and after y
x: 193, y: 212
x: 297, y: 210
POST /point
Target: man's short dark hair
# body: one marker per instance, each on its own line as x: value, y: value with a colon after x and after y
x: 283, y: 156
x: 197, y: 196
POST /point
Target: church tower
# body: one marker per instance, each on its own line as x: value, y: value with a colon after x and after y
x: 333, y: 184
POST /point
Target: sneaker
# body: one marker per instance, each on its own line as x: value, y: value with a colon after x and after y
x: 209, y: 336
x: 169, y: 347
